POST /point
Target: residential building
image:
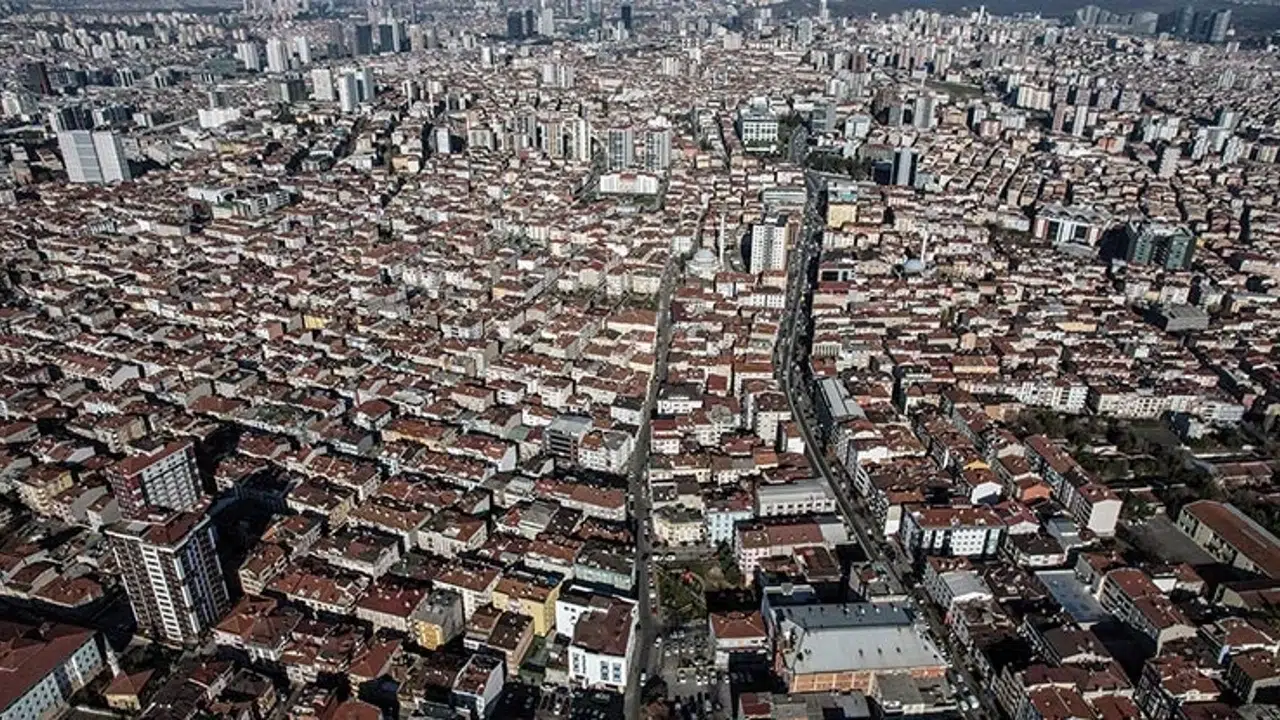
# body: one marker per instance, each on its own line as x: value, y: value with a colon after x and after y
x: 93, y: 157
x: 1152, y: 243
x: 1231, y: 536
x: 968, y: 531
x: 42, y: 667
x: 156, y: 476
x: 602, y: 646
x: 170, y: 569
x: 770, y: 241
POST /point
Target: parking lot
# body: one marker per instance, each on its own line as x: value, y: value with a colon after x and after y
x: 694, y: 684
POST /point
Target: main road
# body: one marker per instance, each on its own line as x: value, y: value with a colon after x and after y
x: 638, y: 490
x: 794, y: 368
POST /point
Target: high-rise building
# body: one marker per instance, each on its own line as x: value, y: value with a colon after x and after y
x: 1218, y: 26
x: 388, y: 37
x: 170, y: 569
x: 18, y: 104
x: 35, y: 76
x: 804, y: 32
x: 277, y: 55
x: 578, y: 139
x: 923, y: 116
x: 1186, y: 22
x: 547, y: 22
x: 322, y: 85
x: 160, y: 476
x: 657, y: 150
x: 348, y: 92
x: 366, y: 85
x: 93, y: 157
x: 1059, y: 122
x: 302, y: 46
x: 1080, y: 120
x: 111, y: 158
x: 1163, y: 244
x: 515, y: 25
x: 289, y: 90
x: 621, y: 148
x: 770, y: 241
x: 628, y: 21
x: 1168, y: 163
x: 364, y: 40
x: 247, y: 52
x: 905, y: 162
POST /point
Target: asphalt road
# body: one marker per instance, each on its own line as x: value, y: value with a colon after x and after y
x: 639, y: 491
x: 794, y: 383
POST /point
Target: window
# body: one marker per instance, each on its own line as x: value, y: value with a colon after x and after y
x: 617, y: 673
x: 604, y: 671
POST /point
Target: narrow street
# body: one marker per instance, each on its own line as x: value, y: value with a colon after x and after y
x: 646, y: 628
x: 796, y: 386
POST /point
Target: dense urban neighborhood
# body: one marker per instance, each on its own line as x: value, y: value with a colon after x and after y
x: 424, y: 359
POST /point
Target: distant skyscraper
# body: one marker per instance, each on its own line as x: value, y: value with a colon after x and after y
x: 1169, y: 246
x: 804, y: 32
x: 515, y: 25
x: 547, y: 22
x: 366, y: 85
x: 364, y: 40
x: 170, y: 570
x: 163, y: 476
x: 277, y: 55
x: 247, y: 52
x: 93, y: 157
x: 322, y: 85
x: 621, y: 148
x: 578, y: 142
x: 35, y: 76
x: 1219, y: 24
x: 657, y: 150
x: 905, y: 161
x: 1080, y: 121
x: 348, y: 92
x: 770, y: 241
x: 923, y: 114
x: 1186, y: 22
x: 627, y: 20
x: 1059, y: 122
x: 302, y: 46
x: 1168, y: 163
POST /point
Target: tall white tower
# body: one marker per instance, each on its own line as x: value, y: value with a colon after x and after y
x: 277, y: 55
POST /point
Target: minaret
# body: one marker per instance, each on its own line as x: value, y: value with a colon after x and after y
x: 924, y: 248
x: 720, y: 241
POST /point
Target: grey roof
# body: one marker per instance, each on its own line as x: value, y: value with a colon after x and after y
x: 840, y: 404
x: 963, y: 583
x: 798, y: 490
x: 1073, y: 596
x: 857, y: 648
x: 844, y: 615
